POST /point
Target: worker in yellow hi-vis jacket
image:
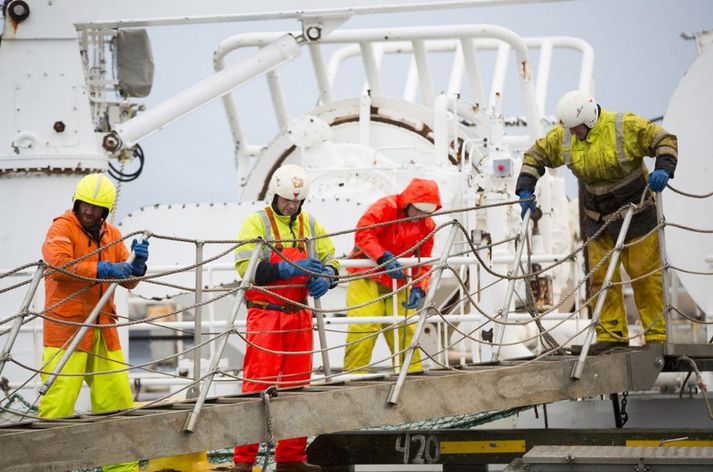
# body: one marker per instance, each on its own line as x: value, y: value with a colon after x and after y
x: 605, y: 151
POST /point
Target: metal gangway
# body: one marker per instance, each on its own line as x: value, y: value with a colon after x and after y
x: 164, y: 427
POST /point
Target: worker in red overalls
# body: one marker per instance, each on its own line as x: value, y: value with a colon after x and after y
x: 274, y: 325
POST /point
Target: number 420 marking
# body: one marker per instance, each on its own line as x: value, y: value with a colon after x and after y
x: 425, y: 449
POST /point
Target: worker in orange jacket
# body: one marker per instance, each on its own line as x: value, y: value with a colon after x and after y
x: 382, y: 244
x: 74, y: 234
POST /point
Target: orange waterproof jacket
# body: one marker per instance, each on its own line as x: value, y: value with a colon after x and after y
x: 396, y: 238
x: 67, y: 240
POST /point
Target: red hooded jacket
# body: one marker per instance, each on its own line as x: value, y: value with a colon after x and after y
x: 396, y: 238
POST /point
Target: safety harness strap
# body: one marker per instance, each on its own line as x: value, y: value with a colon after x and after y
x: 273, y: 234
x: 286, y: 308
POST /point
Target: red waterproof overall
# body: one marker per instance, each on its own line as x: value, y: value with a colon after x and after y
x: 271, y: 329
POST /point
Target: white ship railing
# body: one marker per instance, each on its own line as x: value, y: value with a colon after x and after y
x: 464, y: 42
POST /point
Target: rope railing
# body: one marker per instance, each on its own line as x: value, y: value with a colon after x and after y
x: 455, y: 333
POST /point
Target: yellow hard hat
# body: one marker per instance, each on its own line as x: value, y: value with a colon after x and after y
x: 96, y: 189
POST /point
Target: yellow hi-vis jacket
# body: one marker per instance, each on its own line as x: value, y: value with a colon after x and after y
x: 258, y: 225
x: 608, y: 162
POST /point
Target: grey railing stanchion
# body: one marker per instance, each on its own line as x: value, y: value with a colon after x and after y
x: 198, y: 320
x: 613, y: 263
x: 427, y: 304
x: 396, y: 360
x: 312, y: 251
x: 247, y: 279
x: 665, y: 279
x: 511, y: 284
x: 83, y: 329
x: 5, y: 354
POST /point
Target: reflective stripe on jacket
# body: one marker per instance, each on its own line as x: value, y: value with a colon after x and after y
x: 259, y: 225
x: 67, y: 240
x: 397, y: 238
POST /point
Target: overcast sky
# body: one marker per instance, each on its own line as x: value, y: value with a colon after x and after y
x: 639, y: 58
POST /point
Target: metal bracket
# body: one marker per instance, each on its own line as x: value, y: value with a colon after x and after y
x: 315, y: 28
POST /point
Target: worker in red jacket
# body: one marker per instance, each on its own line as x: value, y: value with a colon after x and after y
x: 382, y: 244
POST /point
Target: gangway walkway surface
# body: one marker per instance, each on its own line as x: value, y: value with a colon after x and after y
x: 92, y: 440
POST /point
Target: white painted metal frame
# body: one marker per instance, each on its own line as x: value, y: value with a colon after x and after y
x: 464, y: 42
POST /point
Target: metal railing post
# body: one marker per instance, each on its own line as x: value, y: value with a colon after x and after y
x: 247, y: 279
x: 15, y: 330
x: 613, y: 263
x: 511, y: 285
x: 83, y: 329
x: 312, y: 251
x: 665, y: 280
x: 433, y: 286
x: 198, y: 320
x: 398, y: 342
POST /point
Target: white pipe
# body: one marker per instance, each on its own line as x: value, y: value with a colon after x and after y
x: 320, y: 71
x: 471, y: 65
x: 543, y: 75
x: 371, y: 67
x: 425, y: 78
x: 411, y: 85
x: 440, y: 129
x: 284, y: 49
x: 278, y: 100
x: 339, y: 56
x: 456, y: 78
x: 497, y: 83
x: 364, y: 119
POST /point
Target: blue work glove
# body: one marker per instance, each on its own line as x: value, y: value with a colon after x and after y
x: 414, y: 299
x: 658, y: 180
x: 529, y: 205
x: 287, y: 270
x: 141, y: 251
x: 110, y: 270
x: 318, y: 286
x: 392, y: 265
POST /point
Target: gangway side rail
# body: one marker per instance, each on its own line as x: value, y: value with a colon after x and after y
x: 323, y: 348
x: 613, y: 265
x: 238, y: 419
x: 190, y: 423
x: 425, y: 311
x: 665, y: 276
x: 29, y: 295
x: 520, y: 241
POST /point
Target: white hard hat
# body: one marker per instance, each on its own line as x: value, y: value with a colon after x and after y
x: 289, y: 181
x: 425, y: 206
x: 576, y: 108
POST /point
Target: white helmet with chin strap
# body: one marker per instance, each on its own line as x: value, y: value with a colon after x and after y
x: 289, y: 181
x: 577, y: 108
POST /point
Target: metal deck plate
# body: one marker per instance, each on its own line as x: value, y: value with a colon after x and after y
x: 618, y: 458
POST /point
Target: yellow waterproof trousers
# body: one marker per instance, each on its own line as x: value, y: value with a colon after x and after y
x: 361, y: 337
x: 108, y: 391
x: 639, y: 259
